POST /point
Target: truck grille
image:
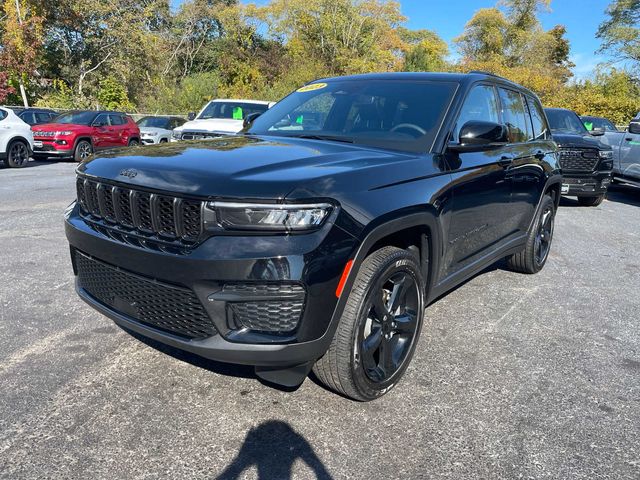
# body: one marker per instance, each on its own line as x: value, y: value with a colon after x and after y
x: 578, y: 160
x: 166, y: 307
x: 132, y: 211
x: 201, y: 135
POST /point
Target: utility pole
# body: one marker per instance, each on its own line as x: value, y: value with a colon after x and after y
x: 23, y: 91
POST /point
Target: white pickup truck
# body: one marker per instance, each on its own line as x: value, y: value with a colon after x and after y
x: 218, y: 118
x: 626, y: 147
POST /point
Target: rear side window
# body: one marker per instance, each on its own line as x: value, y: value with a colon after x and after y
x: 515, y: 116
x: 43, y: 117
x: 480, y: 104
x: 116, y: 120
x: 3, y: 114
x: 27, y: 117
x: 540, y: 127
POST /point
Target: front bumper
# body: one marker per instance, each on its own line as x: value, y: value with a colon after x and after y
x: 50, y: 149
x: 315, y: 260
x: 586, y: 185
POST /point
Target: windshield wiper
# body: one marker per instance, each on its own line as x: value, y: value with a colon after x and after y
x: 332, y: 138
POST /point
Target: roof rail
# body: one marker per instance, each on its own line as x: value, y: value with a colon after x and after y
x: 482, y: 72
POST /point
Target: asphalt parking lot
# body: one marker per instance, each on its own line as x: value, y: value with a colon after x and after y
x: 515, y: 376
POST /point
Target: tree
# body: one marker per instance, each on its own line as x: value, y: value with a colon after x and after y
x: 425, y: 51
x: 620, y: 33
x: 485, y: 36
x: 21, y: 41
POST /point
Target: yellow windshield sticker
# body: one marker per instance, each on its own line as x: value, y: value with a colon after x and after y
x: 311, y: 87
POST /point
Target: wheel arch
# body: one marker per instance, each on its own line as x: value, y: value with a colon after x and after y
x: 414, y: 230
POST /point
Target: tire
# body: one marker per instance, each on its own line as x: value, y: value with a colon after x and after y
x: 83, y: 150
x: 534, y: 256
x: 134, y: 142
x: 164, y: 140
x: 17, y: 154
x: 590, y: 201
x: 369, y: 336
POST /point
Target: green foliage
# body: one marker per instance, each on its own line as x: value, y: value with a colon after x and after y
x: 620, y: 33
x: 148, y: 56
x: 112, y: 95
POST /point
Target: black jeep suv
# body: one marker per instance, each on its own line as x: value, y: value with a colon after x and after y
x: 316, y: 237
x: 586, y: 162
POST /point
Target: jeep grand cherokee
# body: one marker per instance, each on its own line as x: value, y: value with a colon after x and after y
x: 316, y: 238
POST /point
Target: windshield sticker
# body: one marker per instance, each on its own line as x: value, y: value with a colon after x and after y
x: 311, y: 87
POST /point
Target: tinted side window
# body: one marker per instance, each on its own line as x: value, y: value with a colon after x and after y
x: 101, y: 120
x: 514, y: 115
x: 27, y: 117
x: 3, y: 114
x: 42, y: 117
x: 540, y: 127
x: 480, y: 104
x: 116, y: 120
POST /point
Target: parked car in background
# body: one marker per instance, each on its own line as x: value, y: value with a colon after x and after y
x: 158, y: 129
x: 218, y: 118
x: 586, y: 161
x: 78, y: 134
x: 626, y: 153
x: 16, y: 139
x: 598, y: 124
x: 317, y: 238
x: 36, y: 116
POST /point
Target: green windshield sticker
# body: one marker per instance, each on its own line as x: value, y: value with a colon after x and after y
x: 588, y: 125
x: 300, y: 119
x: 237, y: 113
x: 634, y: 143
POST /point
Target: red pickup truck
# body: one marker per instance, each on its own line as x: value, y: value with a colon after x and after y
x: 78, y: 134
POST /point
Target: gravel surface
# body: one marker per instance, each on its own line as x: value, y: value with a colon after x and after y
x: 515, y: 376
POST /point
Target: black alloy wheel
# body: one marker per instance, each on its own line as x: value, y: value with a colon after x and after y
x: 544, y: 235
x: 388, y: 329
x: 379, y: 327
x: 18, y: 155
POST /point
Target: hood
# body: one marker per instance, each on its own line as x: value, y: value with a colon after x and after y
x: 53, y: 127
x: 153, y: 131
x: 257, y: 167
x: 225, y: 125
x: 567, y: 140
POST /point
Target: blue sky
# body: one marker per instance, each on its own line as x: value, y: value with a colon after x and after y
x: 447, y: 18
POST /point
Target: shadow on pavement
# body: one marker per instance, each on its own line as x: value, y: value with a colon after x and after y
x: 272, y: 448
x: 32, y: 163
x: 228, y: 369
x: 624, y: 194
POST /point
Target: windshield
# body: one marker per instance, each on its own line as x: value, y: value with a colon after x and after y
x: 393, y: 114
x: 597, y: 123
x: 231, y: 110
x: 565, y: 121
x: 154, y: 122
x: 78, y: 118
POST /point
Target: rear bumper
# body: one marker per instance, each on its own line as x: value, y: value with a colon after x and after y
x: 586, y: 185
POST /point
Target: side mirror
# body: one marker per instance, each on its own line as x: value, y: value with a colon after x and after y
x: 597, y: 132
x: 480, y: 135
x: 634, y: 127
x: 191, y: 116
x: 98, y: 124
x: 249, y: 119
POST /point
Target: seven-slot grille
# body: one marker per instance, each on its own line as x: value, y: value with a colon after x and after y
x: 170, y: 308
x: 134, y: 211
x: 578, y: 160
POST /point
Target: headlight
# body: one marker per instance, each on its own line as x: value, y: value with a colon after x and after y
x: 151, y: 134
x: 606, y: 154
x: 62, y: 133
x: 254, y: 216
x: 176, y: 135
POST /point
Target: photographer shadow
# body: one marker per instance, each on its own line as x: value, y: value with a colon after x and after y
x: 272, y: 448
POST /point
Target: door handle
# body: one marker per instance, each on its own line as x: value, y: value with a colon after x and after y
x: 629, y: 139
x: 505, y: 161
